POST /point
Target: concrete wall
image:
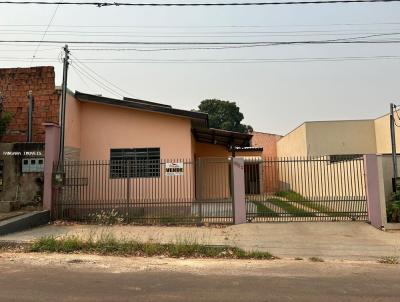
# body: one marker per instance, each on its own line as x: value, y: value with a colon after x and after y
x: 382, y: 130
x: 293, y: 143
x: 329, y: 138
x: 15, y: 84
x: 25, y: 188
x: 341, y: 137
x: 387, y: 172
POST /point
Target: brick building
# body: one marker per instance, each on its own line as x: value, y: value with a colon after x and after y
x: 15, y: 83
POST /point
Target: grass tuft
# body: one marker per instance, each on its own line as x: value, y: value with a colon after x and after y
x: 300, y: 199
x: 389, y: 260
x: 316, y: 259
x: 108, y: 245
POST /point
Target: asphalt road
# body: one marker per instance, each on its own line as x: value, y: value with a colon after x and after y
x: 87, y: 279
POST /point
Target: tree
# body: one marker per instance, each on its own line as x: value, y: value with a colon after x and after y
x: 224, y: 115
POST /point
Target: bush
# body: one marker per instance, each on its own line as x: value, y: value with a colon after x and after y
x: 393, y: 208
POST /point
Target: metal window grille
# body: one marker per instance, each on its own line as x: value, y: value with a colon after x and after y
x: 135, y: 163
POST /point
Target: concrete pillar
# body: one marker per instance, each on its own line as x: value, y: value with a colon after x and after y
x: 375, y: 198
x: 52, y: 149
x: 238, y: 194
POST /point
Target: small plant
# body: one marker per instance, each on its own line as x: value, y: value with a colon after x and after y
x: 389, y: 260
x: 5, y: 119
x: 393, y: 208
x: 107, y: 218
x: 109, y: 245
x: 298, y: 258
x: 316, y: 259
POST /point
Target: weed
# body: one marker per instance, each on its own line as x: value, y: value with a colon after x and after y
x: 389, y: 260
x: 316, y: 259
x: 109, y: 245
x: 107, y: 218
x: 298, y: 258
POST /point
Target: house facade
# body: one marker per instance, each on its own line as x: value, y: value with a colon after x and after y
x: 152, y: 154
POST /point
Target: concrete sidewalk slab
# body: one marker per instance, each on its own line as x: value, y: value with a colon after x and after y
x: 329, y: 240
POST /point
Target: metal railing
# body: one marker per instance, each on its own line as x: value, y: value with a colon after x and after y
x: 175, y: 191
x: 305, y: 189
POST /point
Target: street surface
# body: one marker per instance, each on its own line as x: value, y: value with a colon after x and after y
x: 55, y: 277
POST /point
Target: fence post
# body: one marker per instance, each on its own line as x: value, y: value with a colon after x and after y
x: 51, y: 154
x: 238, y: 193
x: 375, y: 200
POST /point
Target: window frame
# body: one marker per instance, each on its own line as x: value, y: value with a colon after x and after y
x: 135, y: 162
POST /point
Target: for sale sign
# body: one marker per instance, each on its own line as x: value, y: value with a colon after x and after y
x: 174, y: 169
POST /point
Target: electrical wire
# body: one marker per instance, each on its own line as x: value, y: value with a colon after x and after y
x: 204, y: 61
x: 81, y: 77
x: 96, y: 81
x: 210, y: 4
x: 99, y: 76
x: 266, y: 43
x: 44, y: 34
x: 202, y: 26
x: 398, y: 117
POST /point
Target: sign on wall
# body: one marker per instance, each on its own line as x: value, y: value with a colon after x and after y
x: 173, y: 169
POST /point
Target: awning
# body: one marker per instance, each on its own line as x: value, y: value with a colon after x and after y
x: 221, y: 137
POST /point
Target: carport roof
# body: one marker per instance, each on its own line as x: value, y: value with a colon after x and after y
x: 222, y: 137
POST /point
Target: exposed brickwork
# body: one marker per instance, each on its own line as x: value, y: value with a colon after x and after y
x: 14, y: 86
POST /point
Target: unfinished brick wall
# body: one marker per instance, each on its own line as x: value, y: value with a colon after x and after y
x: 14, y: 86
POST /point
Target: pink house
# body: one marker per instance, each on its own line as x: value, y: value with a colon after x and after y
x: 96, y: 126
x: 144, y: 159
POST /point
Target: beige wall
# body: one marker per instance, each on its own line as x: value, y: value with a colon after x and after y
x: 387, y: 172
x: 294, y: 143
x: 341, y: 137
x: 383, y: 140
x: 329, y: 138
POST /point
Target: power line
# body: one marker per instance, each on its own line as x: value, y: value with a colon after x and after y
x: 83, y: 69
x: 45, y: 32
x: 109, y: 4
x: 265, y: 43
x: 193, y: 35
x: 202, y: 26
x: 96, y: 81
x: 99, y: 76
x: 81, y: 76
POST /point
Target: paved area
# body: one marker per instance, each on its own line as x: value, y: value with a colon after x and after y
x: 335, y: 240
x: 54, y: 277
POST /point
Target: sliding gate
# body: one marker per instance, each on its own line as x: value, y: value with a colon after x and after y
x: 328, y: 188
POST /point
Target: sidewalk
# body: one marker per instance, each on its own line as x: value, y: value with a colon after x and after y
x: 328, y: 240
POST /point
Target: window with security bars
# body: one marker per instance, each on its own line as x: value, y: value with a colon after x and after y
x: 135, y: 162
x: 343, y: 157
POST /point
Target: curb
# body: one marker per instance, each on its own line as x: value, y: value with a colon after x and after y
x: 23, y: 222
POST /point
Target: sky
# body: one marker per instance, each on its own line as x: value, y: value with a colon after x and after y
x: 274, y: 96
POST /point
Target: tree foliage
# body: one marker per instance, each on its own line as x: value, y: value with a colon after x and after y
x: 5, y: 118
x: 224, y: 115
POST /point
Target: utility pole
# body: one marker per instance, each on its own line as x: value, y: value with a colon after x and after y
x: 394, y: 152
x: 63, y: 102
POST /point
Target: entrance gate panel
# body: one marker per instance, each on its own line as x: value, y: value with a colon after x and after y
x: 328, y: 188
